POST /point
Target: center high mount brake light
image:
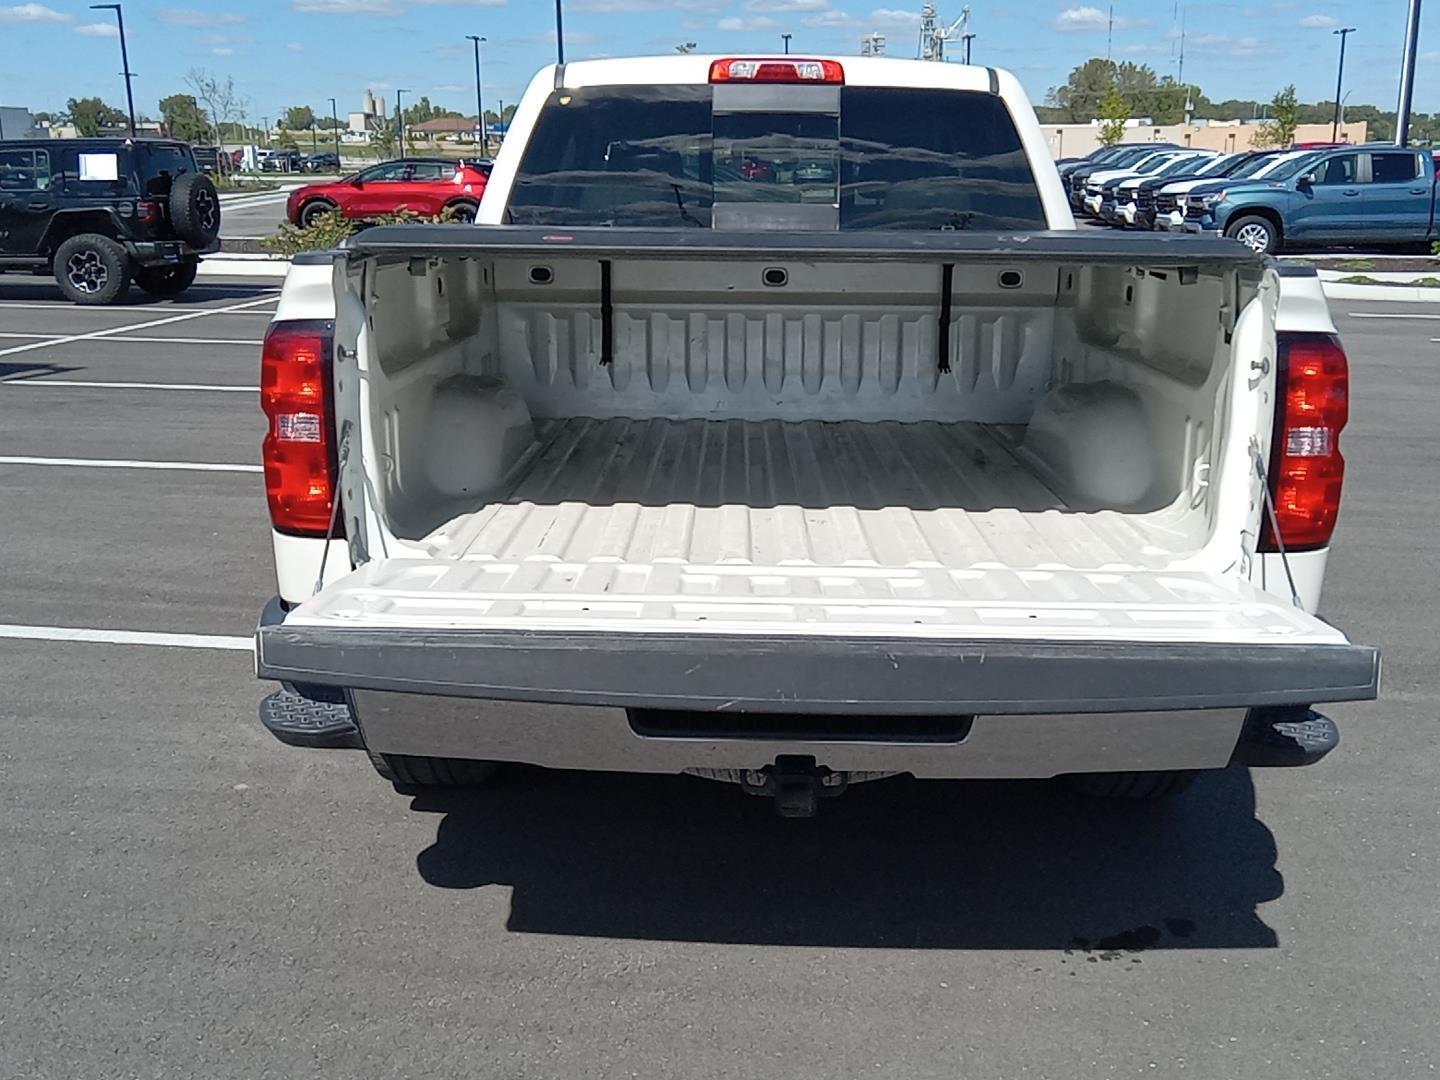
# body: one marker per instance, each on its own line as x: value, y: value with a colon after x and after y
x: 787, y: 70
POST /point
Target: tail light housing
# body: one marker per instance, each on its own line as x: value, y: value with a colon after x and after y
x: 1312, y: 404
x: 147, y: 211
x: 774, y: 70
x: 299, y: 447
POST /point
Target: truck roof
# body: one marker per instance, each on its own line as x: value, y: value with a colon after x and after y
x: 695, y: 69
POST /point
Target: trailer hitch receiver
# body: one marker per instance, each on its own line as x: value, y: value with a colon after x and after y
x: 796, y: 784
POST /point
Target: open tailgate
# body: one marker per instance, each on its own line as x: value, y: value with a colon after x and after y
x: 790, y: 639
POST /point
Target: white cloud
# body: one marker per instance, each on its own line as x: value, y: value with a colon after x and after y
x: 32, y: 13
x: 779, y: 7
x: 97, y: 29
x: 757, y: 22
x: 831, y: 19
x: 449, y: 88
x: 1319, y: 22
x: 346, y: 7
x: 1086, y: 19
x: 223, y: 50
x: 616, y: 7
x: 295, y: 46
x: 895, y: 17
x: 191, y: 17
x: 465, y: 3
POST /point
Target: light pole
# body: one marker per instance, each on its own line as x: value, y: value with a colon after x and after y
x: 559, y: 34
x: 479, y: 98
x: 1407, y: 75
x: 1344, y: 32
x: 335, y: 129
x: 400, y: 119
x: 967, y: 38
x: 786, y: 38
x: 124, y: 59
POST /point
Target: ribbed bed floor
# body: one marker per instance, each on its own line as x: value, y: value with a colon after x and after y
x: 774, y: 494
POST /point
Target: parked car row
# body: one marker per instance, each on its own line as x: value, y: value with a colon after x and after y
x: 1309, y: 195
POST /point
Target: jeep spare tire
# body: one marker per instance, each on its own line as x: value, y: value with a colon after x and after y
x: 195, y: 209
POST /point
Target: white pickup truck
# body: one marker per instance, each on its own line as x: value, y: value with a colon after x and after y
x: 774, y: 424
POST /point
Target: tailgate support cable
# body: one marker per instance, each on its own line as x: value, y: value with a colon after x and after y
x: 344, y: 457
x: 607, y: 317
x: 1274, y: 520
x: 947, y: 284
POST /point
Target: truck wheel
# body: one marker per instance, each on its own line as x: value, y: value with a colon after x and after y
x: 1255, y: 232
x: 167, y: 282
x: 92, y: 269
x: 195, y: 209
x: 312, y: 212
x: 405, y: 771
x: 1135, y: 786
x: 462, y: 212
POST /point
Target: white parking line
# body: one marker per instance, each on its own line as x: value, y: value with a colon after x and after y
x: 143, y: 340
x: 1388, y: 315
x: 20, y: 305
x: 18, y: 632
x: 84, y: 385
x: 125, y: 463
x: 112, y: 331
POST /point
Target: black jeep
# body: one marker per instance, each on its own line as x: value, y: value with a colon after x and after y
x: 101, y: 213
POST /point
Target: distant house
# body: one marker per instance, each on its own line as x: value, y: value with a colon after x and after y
x: 455, y: 128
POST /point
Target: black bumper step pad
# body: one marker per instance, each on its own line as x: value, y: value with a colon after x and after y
x: 323, y: 722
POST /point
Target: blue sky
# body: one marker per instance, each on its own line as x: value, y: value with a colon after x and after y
x: 283, y: 52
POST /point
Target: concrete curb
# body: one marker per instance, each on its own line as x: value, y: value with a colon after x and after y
x: 1335, y: 290
x: 240, y: 265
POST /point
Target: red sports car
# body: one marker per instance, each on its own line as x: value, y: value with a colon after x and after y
x: 424, y: 185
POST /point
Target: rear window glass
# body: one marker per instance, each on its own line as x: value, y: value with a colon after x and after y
x: 161, y: 164
x: 892, y: 159
x: 1393, y: 168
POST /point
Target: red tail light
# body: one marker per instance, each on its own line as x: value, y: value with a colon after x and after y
x: 299, y: 449
x: 818, y: 72
x: 148, y: 212
x: 1312, y: 403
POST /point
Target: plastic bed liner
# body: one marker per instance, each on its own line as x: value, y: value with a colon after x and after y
x: 780, y: 494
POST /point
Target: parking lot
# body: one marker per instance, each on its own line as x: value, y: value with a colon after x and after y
x: 186, y: 897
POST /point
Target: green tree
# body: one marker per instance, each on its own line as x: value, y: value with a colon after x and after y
x: 1279, y: 130
x: 1114, y: 111
x: 91, y: 114
x: 298, y: 118
x: 1079, y: 99
x: 422, y: 110
x: 184, y: 118
x: 286, y: 141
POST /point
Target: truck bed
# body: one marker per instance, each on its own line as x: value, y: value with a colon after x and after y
x: 778, y: 494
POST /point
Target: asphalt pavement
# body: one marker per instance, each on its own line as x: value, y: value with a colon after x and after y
x: 183, y: 896
x: 250, y: 215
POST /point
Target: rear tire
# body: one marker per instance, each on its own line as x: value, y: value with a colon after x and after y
x: 1132, y: 786
x: 167, y: 282
x: 92, y: 269
x: 405, y: 771
x: 1257, y: 233
x: 312, y: 212
x: 462, y: 212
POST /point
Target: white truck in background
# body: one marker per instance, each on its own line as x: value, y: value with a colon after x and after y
x: 774, y: 424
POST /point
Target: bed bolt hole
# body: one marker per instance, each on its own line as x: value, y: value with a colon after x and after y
x: 1011, y: 279
x: 541, y: 275
x: 776, y: 277
x: 1129, y: 294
